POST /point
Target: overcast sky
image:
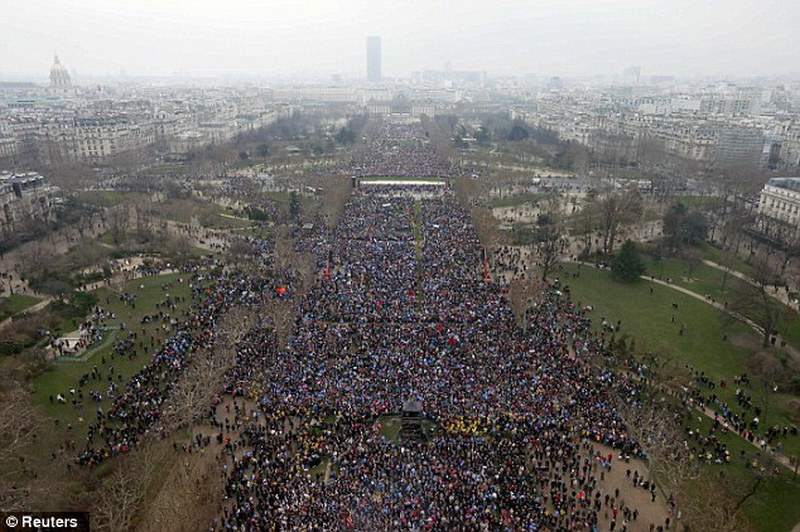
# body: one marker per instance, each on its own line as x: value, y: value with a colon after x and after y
x: 545, y: 37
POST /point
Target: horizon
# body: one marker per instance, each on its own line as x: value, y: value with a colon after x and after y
x: 572, y: 38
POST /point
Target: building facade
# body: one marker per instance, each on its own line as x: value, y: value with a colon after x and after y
x: 374, y: 59
x: 780, y: 200
x: 23, y: 198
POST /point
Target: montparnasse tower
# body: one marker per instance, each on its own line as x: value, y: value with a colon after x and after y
x: 59, y: 77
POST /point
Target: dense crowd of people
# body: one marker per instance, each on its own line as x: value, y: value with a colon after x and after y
x: 400, y: 150
x: 402, y: 312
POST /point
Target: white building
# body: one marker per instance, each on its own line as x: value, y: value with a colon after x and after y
x: 780, y: 200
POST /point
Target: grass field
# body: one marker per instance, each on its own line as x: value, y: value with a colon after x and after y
x: 715, y: 254
x: 647, y: 317
x: 707, y: 280
x: 16, y: 303
x: 66, y: 372
x: 774, y: 506
x: 704, y: 280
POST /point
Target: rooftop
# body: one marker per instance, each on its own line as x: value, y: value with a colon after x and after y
x: 792, y: 183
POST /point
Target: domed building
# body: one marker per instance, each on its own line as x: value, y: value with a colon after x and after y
x: 59, y: 77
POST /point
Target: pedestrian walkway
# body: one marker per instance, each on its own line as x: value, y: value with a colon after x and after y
x: 780, y: 295
x: 35, y: 308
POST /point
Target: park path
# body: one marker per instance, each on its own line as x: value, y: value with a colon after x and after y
x: 780, y: 295
x: 35, y: 308
x: 788, y: 347
x: 778, y: 456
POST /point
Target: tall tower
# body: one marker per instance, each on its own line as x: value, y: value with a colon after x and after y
x: 59, y: 77
x: 373, y: 58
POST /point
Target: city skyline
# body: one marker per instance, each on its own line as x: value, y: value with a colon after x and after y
x: 572, y: 38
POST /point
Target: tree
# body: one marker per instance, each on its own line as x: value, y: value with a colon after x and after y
x: 482, y: 136
x: 549, y: 235
x: 195, y: 392
x: 523, y: 294
x: 19, y: 424
x: 627, y: 266
x: 773, y: 376
x: 657, y: 428
x: 683, y: 227
x: 754, y: 302
x: 294, y: 207
x: 346, y: 136
x: 692, y: 257
x: 614, y: 211
x: 122, y: 493
x: 119, y: 218
x: 518, y: 133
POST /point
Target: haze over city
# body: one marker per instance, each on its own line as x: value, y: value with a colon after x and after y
x: 387, y: 266
x: 566, y: 38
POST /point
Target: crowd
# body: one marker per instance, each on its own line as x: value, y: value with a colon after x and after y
x: 402, y: 311
x: 135, y: 410
x: 400, y: 150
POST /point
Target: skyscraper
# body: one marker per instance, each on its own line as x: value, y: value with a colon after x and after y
x: 373, y: 58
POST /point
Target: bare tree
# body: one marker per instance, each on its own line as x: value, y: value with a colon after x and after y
x: 657, y: 428
x: 549, y: 234
x: 614, y: 211
x: 190, y: 497
x: 19, y: 423
x: 119, y: 218
x: 36, y: 261
x: 191, y: 399
x: 122, y: 494
x: 772, y: 376
x: 523, y: 295
x: 706, y: 505
x: 753, y: 301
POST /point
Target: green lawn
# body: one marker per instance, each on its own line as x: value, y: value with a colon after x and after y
x: 647, y: 317
x: 699, y: 202
x: 15, y: 303
x: 774, y: 506
x: 67, y: 372
x: 707, y: 280
x: 110, y: 198
x: 715, y: 254
x: 226, y: 221
x: 704, y: 280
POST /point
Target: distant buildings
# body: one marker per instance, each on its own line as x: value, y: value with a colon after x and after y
x: 739, y: 148
x: 59, y: 77
x: 374, y: 59
x: 24, y: 198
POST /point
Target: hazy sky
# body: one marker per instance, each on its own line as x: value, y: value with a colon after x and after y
x: 547, y: 37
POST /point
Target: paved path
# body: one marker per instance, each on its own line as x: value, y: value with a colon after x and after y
x: 780, y: 295
x: 35, y: 308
